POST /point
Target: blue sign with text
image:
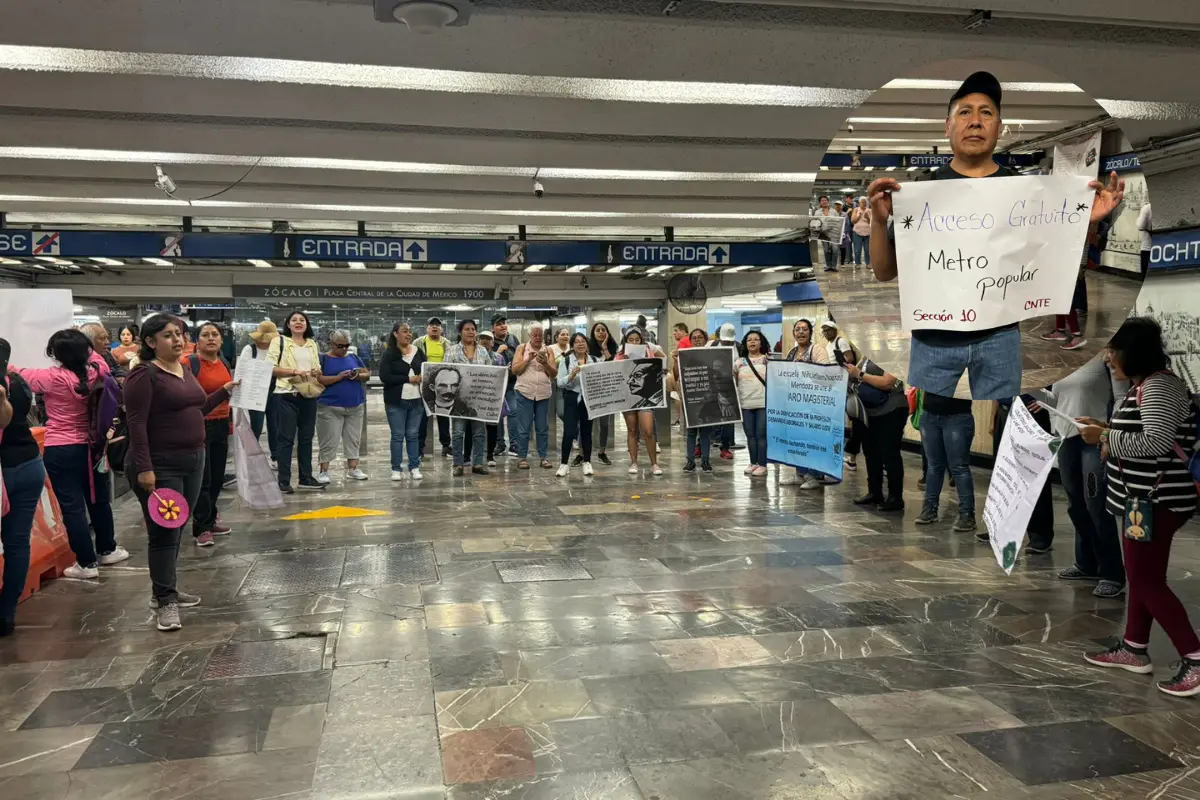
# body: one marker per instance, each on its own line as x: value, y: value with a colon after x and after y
x: 1119, y: 162
x: 1175, y: 250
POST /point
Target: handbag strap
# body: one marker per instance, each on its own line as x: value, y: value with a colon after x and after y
x: 754, y: 369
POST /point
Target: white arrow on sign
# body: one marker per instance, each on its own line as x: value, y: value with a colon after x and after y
x: 718, y: 254
x: 416, y: 249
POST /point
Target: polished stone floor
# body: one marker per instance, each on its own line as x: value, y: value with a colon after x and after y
x: 869, y: 312
x: 692, y: 637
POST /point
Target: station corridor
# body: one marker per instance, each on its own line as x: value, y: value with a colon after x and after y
x: 518, y: 636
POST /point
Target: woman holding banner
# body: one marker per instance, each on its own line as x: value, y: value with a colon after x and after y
x: 805, y: 350
x: 751, y: 372
x: 635, y: 345
x: 1152, y: 494
x: 697, y: 338
x: 604, y: 348
x: 575, y: 415
x: 468, y: 351
x: 534, y: 366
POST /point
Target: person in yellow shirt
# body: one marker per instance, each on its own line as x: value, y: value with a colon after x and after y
x: 434, y: 346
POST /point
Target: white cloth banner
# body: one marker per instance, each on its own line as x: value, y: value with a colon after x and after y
x: 27, y: 319
x: 254, y: 375
x: 257, y: 483
x: 1078, y: 157
x: 464, y: 391
x: 1021, y: 469
x: 979, y: 254
x: 610, y: 387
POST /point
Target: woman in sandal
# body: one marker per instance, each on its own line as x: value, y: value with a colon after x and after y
x: 1152, y: 494
x: 640, y: 418
x: 751, y: 372
x: 536, y: 372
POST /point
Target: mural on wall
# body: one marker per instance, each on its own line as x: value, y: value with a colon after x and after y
x: 1125, y: 240
x: 1171, y: 299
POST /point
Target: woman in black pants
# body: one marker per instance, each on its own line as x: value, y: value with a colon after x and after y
x: 165, y: 407
x: 887, y: 413
x: 575, y: 415
x: 298, y: 365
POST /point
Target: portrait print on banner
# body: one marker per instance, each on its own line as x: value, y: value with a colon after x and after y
x: 464, y: 391
x: 708, y: 387
x: 610, y: 387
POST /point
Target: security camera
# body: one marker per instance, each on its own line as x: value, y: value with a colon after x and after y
x: 163, y: 181
x: 539, y: 191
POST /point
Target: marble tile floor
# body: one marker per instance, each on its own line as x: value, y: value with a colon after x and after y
x: 869, y: 312
x: 522, y: 637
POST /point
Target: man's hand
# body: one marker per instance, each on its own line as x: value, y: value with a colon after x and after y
x: 1107, y: 197
x: 880, y: 199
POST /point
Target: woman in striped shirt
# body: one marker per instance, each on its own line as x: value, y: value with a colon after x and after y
x: 1151, y: 428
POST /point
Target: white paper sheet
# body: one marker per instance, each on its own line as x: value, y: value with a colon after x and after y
x: 27, y: 319
x: 978, y: 254
x: 255, y: 377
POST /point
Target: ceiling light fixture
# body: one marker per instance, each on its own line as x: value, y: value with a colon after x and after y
x: 447, y: 267
x: 258, y: 262
x: 109, y: 262
x: 310, y: 265
x: 701, y: 268
x: 742, y: 268
x: 620, y: 268
x: 535, y: 268
x: 158, y: 262
x: 491, y: 268
x: 403, y: 265
x: 578, y: 268
x: 658, y: 269
x: 357, y: 265
x: 422, y: 16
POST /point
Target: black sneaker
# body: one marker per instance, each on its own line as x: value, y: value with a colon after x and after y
x: 311, y: 485
x: 982, y: 537
x: 479, y: 471
x: 689, y: 466
x: 1038, y: 548
x: 964, y: 524
x: 604, y: 459
x: 7, y: 626
x: 230, y: 480
x: 928, y: 516
x: 286, y: 488
x: 706, y: 466
x: 892, y: 504
x: 868, y: 499
x: 447, y: 451
x: 578, y: 460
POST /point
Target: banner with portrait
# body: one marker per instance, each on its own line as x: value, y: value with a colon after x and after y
x: 464, y: 391
x: 633, y: 384
x: 707, y: 387
x: 806, y: 415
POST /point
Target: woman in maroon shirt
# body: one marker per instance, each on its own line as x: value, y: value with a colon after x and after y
x: 165, y: 407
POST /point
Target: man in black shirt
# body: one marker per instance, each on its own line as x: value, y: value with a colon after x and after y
x: 991, y: 358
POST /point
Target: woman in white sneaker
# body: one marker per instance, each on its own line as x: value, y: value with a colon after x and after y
x: 806, y: 351
x: 400, y: 372
x: 751, y: 372
x: 643, y: 419
x: 341, y: 407
x: 575, y: 416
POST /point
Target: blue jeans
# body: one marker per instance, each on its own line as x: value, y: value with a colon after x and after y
x: 1097, y: 541
x: 754, y: 422
x: 992, y: 365
x: 530, y: 413
x: 862, y: 248
x: 24, y: 483
x: 458, y: 432
x: 946, y: 439
x: 705, y: 435
x: 405, y: 421
x: 82, y: 493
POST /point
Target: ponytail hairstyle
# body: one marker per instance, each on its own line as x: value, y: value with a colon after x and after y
x: 71, y: 348
x: 151, y: 327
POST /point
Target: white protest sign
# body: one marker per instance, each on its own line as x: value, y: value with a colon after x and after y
x: 978, y: 254
x: 254, y: 376
x: 1078, y: 157
x: 28, y: 317
x: 1022, y: 466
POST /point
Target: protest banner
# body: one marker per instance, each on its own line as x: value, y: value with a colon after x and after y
x: 28, y: 317
x: 1020, y: 471
x: 979, y: 254
x: 1078, y: 157
x: 610, y: 387
x: 806, y: 415
x: 707, y: 387
x: 253, y: 376
x: 257, y: 483
x: 464, y: 391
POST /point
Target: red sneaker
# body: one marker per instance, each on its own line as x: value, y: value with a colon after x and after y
x: 221, y: 530
x: 1122, y: 656
x: 1186, y: 683
x: 204, y: 540
x: 727, y: 454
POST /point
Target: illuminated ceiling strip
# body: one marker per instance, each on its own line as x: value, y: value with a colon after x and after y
x: 310, y: 265
x: 503, y: 212
x: 535, y: 268
x: 357, y: 265
x: 158, y: 262
x: 620, y: 268
x: 940, y: 121
x: 699, y: 269
x: 658, y: 269
x: 403, y: 265
x: 258, y: 262
x: 109, y: 262
x: 409, y: 167
x: 950, y: 85
x: 447, y: 267
x: 578, y: 268
x: 491, y: 268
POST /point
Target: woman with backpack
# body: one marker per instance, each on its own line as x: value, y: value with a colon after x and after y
x: 751, y: 372
x: 1148, y: 445
x: 297, y: 386
x: 342, y: 407
x: 883, y: 397
x: 165, y: 408
x: 71, y: 390
x: 24, y: 481
x: 212, y: 372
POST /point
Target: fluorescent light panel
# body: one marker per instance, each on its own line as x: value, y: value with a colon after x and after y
x: 447, y: 267
x: 109, y: 262
x: 258, y: 262
x: 939, y: 121
x: 403, y: 265
x: 491, y: 268
x: 578, y: 268
x: 620, y: 268
x: 158, y: 262
x: 535, y: 268
x: 310, y: 265
x: 357, y: 265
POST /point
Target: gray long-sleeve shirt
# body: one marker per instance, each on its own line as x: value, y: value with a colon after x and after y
x: 1088, y: 392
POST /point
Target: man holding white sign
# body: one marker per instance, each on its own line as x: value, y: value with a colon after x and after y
x: 979, y: 259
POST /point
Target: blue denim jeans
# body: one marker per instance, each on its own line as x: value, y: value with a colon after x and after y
x: 405, y: 422
x: 754, y: 421
x: 1097, y: 540
x: 82, y: 494
x: 992, y: 365
x: 705, y: 436
x: 24, y: 484
x: 528, y: 414
x: 862, y: 248
x: 946, y: 440
x: 458, y: 433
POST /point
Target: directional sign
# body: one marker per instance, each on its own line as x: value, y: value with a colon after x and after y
x: 1120, y: 162
x: 46, y: 243
x: 363, y: 293
x: 718, y: 254
x: 416, y: 249
x: 1175, y: 250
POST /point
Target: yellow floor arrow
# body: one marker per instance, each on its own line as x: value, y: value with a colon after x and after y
x: 338, y: 512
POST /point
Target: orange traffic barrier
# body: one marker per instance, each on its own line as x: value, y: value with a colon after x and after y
x: 49, y: 551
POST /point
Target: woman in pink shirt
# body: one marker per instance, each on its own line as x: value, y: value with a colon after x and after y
x: 82, y: 492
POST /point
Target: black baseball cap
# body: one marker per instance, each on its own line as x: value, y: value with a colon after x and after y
x: 496, y: 320
x: 434, y: 321
x: 984, y: 83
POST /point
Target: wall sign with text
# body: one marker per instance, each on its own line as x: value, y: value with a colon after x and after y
x: 978, y: 254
